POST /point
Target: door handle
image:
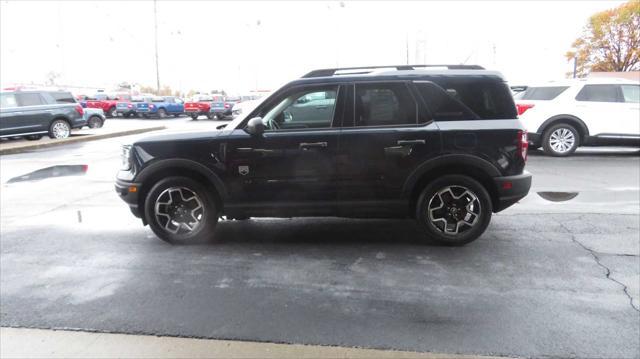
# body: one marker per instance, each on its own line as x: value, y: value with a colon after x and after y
x: 411, y: 142
x: 308, y: 145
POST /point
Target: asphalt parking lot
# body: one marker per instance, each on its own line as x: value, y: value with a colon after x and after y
x: 556, y: 275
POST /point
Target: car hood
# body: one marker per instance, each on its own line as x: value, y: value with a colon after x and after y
x: 181, y: 136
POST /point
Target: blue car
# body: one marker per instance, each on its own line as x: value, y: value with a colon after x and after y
x: 160, y: 107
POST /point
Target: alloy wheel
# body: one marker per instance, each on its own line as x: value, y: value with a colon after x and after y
x: 60, y: 130
x: 454, y: 209
x: 179, y: 210
x: 562, y: 140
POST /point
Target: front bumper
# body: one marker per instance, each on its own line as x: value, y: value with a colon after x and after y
x: 511, y: 189
x: 129, y: 196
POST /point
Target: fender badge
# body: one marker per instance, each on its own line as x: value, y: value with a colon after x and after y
x: 243, y: 170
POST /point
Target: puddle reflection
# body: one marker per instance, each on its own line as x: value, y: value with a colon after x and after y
x: 50, y: 172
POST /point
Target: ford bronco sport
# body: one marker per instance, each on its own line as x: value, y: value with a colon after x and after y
x: 440, y: 144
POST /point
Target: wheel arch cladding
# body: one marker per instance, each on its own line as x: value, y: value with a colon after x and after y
x: 467, y: 165
x: 566, y: 119
x: 180, y: 167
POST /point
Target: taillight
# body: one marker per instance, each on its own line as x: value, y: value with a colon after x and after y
x: 226, y: 105
x: 80, y: 110
x: 129, y: 106
x: 523, y: 107
x: 152, y: 106
x: 523, y: 144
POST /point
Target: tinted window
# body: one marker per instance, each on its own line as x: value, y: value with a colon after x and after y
x: 598, y: 93
x: 312, y: 108
x: 29, y: 99
x: 487, y: 98
x: 384, y: 104
x: 8, y: 100
x: 542, y: 93
x: 442, y: 104
x: 631, y: 93
x: 62, y: 97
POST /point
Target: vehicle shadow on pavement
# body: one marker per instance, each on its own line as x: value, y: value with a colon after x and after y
x: 320, y: 231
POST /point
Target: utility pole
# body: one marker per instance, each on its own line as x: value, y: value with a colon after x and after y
x: 575, y: 66
x: 407, y: 46
x: 155, y: 25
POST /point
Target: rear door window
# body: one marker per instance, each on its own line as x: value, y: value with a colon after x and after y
x: 545, y: 93
x: 30, y: 99
x: 384, y: 104
x: 8, y: 100
x: 599, y: 93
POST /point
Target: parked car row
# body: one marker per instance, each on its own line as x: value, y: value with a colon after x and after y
x: 564, y: 115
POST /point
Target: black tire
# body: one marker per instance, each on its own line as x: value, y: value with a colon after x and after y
x: 144, y: 115
x: 194, y: 117
x: 209, y: 216
x: 176, y: 115
x: 33, y: 137
x: 210, y: 116
x: 435, y: 230
x: 126, y: 115
x: 95, y: 122
x: 162, y: 113
x: 552, y: 140
x: 59, y: 129
x: 112, y: 112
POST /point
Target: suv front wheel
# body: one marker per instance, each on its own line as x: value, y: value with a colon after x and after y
x: 454, y: 210
x: 179, y: 210
x: 560, y: 140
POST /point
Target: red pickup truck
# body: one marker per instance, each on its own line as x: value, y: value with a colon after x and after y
x: 201, y: 105
x: 108, y: 103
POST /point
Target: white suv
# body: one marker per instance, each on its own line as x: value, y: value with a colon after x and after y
x: 561, y: 116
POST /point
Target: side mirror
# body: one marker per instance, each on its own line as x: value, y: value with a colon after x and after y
x: 255, y: 127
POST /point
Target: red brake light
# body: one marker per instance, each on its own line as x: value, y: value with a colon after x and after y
x: 226, y: 105
x: 523, y: 144
x: 152, y: 106
x: 80, y: 110
x: 523, y: 107
x: 129, y: 106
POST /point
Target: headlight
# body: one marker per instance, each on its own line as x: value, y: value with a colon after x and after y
x: 126, y: 157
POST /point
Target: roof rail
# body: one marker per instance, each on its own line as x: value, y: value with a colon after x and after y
x: 332, y: 72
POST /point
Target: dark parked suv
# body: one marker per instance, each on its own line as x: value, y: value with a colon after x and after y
x: 33, y: 114
x: 441, y: 144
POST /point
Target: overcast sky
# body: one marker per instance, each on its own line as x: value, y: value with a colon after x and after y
x: 241, y: 46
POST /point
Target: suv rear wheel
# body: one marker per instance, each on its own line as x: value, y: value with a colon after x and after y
x: 560, y: 140
x: 179, y: 210
x: 59, y: 129
x: 454, y: 210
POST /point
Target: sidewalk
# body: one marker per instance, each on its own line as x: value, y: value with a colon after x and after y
x: 39, y: 343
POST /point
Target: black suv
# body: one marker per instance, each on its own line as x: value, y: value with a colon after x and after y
x: 34, y: 113
x: 441, y: 144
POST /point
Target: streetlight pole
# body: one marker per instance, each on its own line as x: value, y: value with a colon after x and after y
x: 155, y: 26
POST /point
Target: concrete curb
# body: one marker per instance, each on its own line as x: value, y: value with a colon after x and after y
x: 85, y: 138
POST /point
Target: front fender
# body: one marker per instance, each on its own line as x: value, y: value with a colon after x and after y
x: 180, y: 163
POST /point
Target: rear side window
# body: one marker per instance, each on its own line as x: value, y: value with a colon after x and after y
x: 486, y: 98
x: 29, y: 99
x: 443, y: 105
x: 631, y: 93
x: 8, y: 100
x: 384, y: 104
x: 599, y: 93
x: 542, y: 93
x: 63, y: 97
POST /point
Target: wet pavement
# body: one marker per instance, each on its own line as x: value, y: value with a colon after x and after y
x: 556, y: 275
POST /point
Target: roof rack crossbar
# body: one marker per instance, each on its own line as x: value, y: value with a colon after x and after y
x: 332, y: 72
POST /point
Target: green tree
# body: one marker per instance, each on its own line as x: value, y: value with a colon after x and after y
x: 610, y: 41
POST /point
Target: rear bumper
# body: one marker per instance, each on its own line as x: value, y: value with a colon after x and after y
x: 535, y: 139
x: 221, y: 111
x: 511, y: 189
